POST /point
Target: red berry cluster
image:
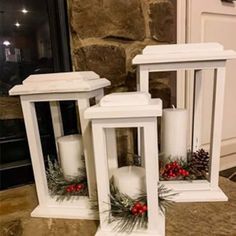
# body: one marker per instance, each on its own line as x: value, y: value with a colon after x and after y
x: 173, y: 170
x: 74, y: 188
x: 138, y: 208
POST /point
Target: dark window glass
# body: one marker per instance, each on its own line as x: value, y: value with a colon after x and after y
x: 30, y: 43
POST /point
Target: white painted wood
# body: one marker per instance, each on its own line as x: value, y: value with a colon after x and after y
x: 215, y: 21
x: 160, y: 224
x: 98, y: 112
x: 196, y: 138
x: 228, y: 146
x: 63, y: 213
x: 216, y: 130
x: 111, y: 142
x: 75, y: 75
x: 181, y: 21
x: 143, y: 81
x: 83, y: 104
x: 227, y: 162
x: 152, y: 172
x: 173, y: 66
x: 182, y: 185
x: 181, y: 38
x: 194, y: 191
x: 62, y: 96
x: 36, y: 153
x: 56, y: 122
x: 182, y: 48
x: 31, y: 92
x: 210, y: 195
x: 110, y: 135
x: 104, y: 118
x: 197, y: 57
x: 180, y: 88
x: 143, y: 59
x: 125, y: 99
x: 102, y: 174
x: 67, y: 209
x: 59, y: 86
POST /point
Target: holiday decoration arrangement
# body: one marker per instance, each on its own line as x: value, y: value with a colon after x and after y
x: 131, y: 199
x: 132, y: 213
x: 195, y: 167
x: 64, y: 188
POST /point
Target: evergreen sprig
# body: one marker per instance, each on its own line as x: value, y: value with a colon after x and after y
x: 58, y: 186
x: 120, y: 212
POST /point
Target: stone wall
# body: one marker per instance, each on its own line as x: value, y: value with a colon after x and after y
x: 107, y: 34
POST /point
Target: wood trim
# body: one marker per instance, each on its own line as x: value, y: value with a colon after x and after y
x: 227, y: 162
x: 181, y: 38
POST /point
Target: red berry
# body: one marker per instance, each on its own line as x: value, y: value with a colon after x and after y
x: 141, y: 211
x: 70, y: 188
x: 144, y: 208
x: 78, y: 187
x: 167, y: 166
x: 173, y: 175
x: 134, y: 210
x: 73, y: 187
x: 138, y: 205
x: 187, y: 173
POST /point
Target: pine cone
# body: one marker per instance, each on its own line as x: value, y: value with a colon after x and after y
x: 200, y: 161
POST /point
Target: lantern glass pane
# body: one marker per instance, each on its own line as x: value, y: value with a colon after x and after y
x: 45, y: 130
x: 163, y: 85
x: 62, y: 151
x: 126, y: 176
x: 193, y: 162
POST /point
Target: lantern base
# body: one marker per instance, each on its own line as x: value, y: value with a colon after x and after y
x: 63, y: 213
x: 108, y: 231
x: 101, y: 232
x: 211, y: 195
x: 77, y: 208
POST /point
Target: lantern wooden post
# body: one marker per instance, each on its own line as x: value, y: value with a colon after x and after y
x: 143, y: 116
x: 52, y: 88
x: 195, y: 57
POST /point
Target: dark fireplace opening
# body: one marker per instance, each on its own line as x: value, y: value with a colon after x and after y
x: 34, y: 39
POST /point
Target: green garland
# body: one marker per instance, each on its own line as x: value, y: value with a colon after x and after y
x: 128, y: 213
x: 63, y: 189
x: 196, y: 167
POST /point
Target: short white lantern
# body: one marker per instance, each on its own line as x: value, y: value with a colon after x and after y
x: 123, y: 110
x: 52, y: 88
x: 195, y: 58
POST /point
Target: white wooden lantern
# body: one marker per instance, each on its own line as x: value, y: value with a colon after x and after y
x: 196, y: 58
x: 123, y: 111
x: 76, y: 86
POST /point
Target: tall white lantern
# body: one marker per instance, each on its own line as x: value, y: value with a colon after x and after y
x: 195, y: 58
x: 124, y: 111
x: 70, y: 86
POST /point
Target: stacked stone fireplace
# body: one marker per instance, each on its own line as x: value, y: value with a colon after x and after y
x: 107, y: 34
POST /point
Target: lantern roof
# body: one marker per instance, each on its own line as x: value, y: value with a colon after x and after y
x: 125, y: 105
x: 183, y: 53
x: 83, y: 81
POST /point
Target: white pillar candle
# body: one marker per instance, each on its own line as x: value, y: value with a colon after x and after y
x: 71, y: 151
x: 130, y: 180
x: 174, y: 133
